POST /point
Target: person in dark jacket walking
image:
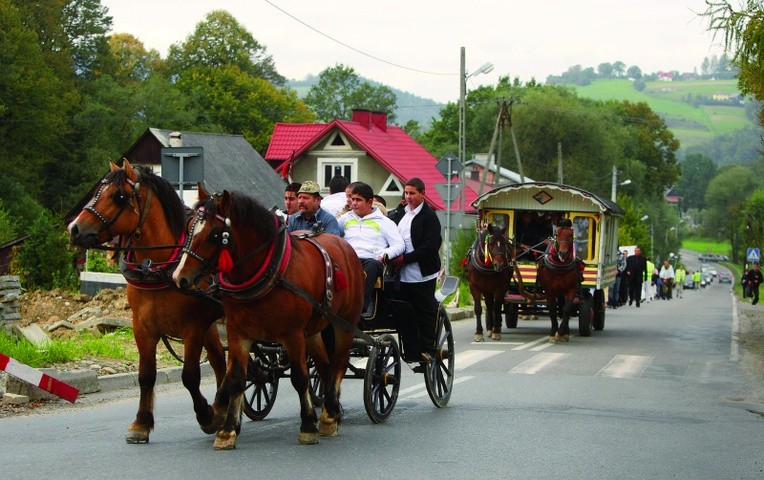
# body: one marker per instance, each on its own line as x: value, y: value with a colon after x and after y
x: 754, y: 280
x: 636, y: 272
x: 420, y: 264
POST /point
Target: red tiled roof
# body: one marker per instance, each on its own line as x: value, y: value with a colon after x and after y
x: 392, y: 147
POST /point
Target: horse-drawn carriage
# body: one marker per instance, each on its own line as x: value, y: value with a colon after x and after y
x: 530, y: 214
x: 292, y: 307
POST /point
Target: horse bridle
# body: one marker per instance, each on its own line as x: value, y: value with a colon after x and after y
x: 220, y: 235
x: 123, y: 202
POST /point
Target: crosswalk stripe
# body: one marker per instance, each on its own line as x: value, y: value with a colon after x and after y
x: 538, y: 362
x: 623, y: 366
x: 530, y: 344
x: 471, y: 357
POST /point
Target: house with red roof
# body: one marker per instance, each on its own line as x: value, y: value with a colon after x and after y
x: 364, y: 149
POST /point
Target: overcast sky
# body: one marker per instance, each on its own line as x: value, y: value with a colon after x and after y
x: 414, y: 45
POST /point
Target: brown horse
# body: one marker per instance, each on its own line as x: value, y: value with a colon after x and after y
x: 559, y: 277
x: 146, y: 212
x: 281, y: 288
x: 489, y: 276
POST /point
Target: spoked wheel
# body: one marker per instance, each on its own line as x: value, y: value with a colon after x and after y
x: 439, y: 376
x: 382, y: 378
x: 261, y: 385
x: 316, y: 387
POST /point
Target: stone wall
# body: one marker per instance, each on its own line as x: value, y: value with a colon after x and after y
x: 10, y: 289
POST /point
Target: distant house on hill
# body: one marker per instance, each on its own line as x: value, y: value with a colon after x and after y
x: 665, y: 77
x: 364, y: 149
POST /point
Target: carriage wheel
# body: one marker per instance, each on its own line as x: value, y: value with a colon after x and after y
x: 439, y: 376
x: 511, y: 311
x: 381, y: 381
x: 598, y: 322
x: 585, y: 316
x: 261, y: 385
x: 316, y: 387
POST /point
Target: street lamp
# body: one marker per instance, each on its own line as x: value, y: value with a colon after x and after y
x: 615, y: 184
x: 652, y: 236
x: 463, y: 76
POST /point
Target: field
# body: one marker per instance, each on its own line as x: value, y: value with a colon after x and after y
x: 692, y: 125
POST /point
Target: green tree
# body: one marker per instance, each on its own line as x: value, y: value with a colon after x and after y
x: 752, y: 228
x: 725, y: 197
x: 743, y: 31
x: 44, y: 260
x: 340, y: 90
x: 219, y: 41
x: 239, y: 103
x: 697, y: 172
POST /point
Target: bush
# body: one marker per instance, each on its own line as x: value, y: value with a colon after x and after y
x: 98, y: 261
x: 45, y: 261
x: 461, y: 241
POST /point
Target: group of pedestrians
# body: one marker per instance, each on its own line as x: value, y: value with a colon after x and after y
x: 637, y: 278
x: 409, y: 236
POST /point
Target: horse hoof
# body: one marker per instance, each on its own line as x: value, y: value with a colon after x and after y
x: 553, y: 339
x: 225, y: 441
x: 307, y: 438
x: 495, y: 336
x: 328, y: 429
x: 565, y: 337
x: 134, y: 437
x: 479, y: 337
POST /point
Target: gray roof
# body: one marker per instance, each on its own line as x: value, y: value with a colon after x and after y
x: 231, y: 163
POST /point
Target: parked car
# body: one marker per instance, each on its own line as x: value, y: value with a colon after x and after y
x: 725, y: 278
x: 706, y: 257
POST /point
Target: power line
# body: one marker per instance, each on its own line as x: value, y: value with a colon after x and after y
x: 353, y: 48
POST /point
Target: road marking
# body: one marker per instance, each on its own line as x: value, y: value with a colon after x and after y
x: 457, y: 381
x: 530, y: 344
x: 538, y: 362
x: 623, y: 366
x: 471, y: 357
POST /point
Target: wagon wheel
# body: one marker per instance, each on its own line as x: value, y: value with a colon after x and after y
x: 511, y: 311
x: 261, y: 386
x: 316, y: 387
x: 585, y: 316
x: 598, y: 322
x: 439, y: 376
x: 381, y: 381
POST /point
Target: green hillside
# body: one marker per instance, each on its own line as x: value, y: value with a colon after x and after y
x: 692, y: 125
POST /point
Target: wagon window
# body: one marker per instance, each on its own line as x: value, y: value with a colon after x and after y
x: 582, y: 233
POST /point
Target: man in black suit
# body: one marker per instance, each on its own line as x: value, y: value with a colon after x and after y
x: 636, y: 272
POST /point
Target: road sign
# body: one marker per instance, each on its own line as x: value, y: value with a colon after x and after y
x: 753, y: 255
x: 183, y: 166
x: 455, y: 166
x: 442, y: 189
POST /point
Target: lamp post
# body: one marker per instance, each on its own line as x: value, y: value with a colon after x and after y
x: 616, y: 184
x: 652, y: 236
x: 463, y: 76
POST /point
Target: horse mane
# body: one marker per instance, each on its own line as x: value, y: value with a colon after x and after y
x: 174, y: 209
x: 245, y: 211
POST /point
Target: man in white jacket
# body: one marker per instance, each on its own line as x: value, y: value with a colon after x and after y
x: 667, y: 276
x: 372, y: 235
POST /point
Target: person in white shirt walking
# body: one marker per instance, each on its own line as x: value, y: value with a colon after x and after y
x: 667, y: 276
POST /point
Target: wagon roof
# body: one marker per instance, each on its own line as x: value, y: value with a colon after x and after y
x: 546, y: 196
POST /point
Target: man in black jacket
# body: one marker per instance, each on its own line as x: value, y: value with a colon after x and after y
x: 420, y: 264
x: 636, y: 272
x: 754, y: 280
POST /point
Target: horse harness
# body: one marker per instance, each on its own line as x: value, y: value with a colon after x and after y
x: 271, y: 273
x: 122, y: 200
x: 474, y: 254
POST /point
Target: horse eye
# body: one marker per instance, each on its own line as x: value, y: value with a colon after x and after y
x: 120, y: 198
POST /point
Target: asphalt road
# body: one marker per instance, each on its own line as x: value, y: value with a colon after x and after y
x: 660, y: 393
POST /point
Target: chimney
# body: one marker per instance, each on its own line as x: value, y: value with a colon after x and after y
x: 176, y: 140
x: 370, y: 119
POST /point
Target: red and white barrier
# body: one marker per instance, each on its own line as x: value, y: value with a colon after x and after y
x: 39, y: 379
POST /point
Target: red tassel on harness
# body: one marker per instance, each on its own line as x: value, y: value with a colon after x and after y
x: 340, y: 282
x: 225, y: 263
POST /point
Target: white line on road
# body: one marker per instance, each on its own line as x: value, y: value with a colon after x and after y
x: 530, y: 344
x: 538, y: 362
x: 623, y: 366
x: 471, y: 357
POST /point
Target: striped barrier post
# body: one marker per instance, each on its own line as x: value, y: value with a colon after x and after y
x: 37, y: 378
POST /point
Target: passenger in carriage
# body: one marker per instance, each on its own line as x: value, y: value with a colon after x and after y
x: 309, y: 203
x: 530, y: 235
x: 372, y: 235
x: 420, y: 265
x: 290, y: 198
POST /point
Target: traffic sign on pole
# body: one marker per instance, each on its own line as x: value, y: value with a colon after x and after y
x: 753, y: 255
